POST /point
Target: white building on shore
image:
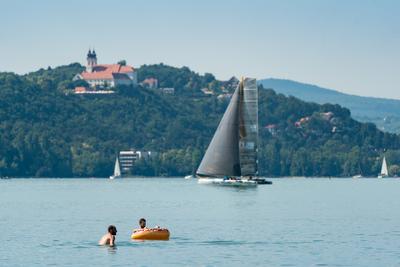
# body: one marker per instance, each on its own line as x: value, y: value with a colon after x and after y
x: 128, y: 158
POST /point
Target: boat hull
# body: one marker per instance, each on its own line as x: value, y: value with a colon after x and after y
x: 261, y: 181
x: 228, y: 182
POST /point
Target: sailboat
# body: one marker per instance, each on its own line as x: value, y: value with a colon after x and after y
x: 231, y: 157
x: 117, y: 170
x: 384, y: 170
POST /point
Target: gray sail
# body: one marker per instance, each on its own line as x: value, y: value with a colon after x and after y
x: 248, y: 127
x: 222, y: 155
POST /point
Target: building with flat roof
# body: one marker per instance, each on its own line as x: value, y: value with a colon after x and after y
x: 128, y: 158
x: 127, y: 161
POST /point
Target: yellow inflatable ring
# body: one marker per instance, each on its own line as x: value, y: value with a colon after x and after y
x: 151, y: 234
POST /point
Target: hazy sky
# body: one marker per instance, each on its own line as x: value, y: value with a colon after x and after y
x: 350, y: 46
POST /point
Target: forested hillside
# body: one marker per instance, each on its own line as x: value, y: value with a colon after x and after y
x: 47, y: 132
x: 385, y: 113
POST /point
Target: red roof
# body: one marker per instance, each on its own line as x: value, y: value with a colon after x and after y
x: 120, y: 76
x: 80, y: 89
x: 107, y: 72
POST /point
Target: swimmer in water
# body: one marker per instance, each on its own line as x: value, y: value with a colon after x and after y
x: 109, y: 238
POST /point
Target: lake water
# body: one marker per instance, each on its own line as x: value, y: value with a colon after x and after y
x: 294, y: 222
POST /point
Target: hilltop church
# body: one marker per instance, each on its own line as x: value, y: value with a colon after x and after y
x: 106, y: 75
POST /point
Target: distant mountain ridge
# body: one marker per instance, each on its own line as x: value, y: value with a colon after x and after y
x: 385, y: 113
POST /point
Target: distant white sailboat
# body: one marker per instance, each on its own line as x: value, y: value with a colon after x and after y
x: 384, y: 170
x: 117, y: 170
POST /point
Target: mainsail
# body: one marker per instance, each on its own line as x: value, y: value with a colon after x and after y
x: 222, y: 155
x: 384, y: 169
x: 117, y: 170
x: 233, y: 148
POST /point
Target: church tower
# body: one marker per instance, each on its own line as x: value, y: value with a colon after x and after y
x: 91, y: 60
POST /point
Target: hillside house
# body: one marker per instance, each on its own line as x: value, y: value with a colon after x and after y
x: 106, y: 75
x: 150, y: 83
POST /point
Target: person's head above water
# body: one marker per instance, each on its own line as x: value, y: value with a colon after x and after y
x: 112, y: 230
x: 142, y: 223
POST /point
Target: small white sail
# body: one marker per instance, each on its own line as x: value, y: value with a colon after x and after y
x: 384, y: 169
x: 117, y: 169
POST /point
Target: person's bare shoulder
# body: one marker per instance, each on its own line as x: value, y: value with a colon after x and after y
x: 105, y: 240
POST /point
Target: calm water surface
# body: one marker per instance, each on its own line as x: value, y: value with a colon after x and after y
x: 294, y: 222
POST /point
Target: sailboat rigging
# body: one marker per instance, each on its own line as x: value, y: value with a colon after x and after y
x: 231, y: 157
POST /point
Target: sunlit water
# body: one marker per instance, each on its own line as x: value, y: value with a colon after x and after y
x: 294, y: 222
